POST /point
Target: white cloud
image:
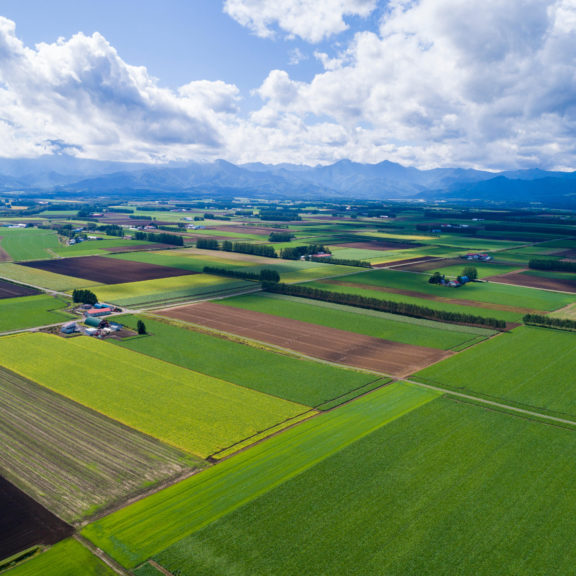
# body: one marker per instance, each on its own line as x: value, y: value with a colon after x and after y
x: 80, y: 94
x: 311, y: 20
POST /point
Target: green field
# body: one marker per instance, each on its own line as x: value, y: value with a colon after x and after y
x: 371, y: 323
x: 143, y: 529
x: 186, y: 409
x: 529, y: 367
x: 169, y: 290
x: 295, y: 379
x: 96, y: 247
x: 29, y: 243
x: 68, y: 558
x: 29, y: 311
x: 447, y: 489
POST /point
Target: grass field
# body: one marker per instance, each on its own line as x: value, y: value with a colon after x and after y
x: 169, y: 290
x: 183, y: 408
x: 29, y: 243
x: 143, y: 529
x: 447, y: 489
x: 42, y: 278
x: 529, y: 367
x: 294, y: 379
x: 377, y: 324
x: 68, y: 558
x: 72, y: 459
x: 28, y: 311
x: 95, y: 247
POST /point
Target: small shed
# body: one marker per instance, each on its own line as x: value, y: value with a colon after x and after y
x: 69, y: 328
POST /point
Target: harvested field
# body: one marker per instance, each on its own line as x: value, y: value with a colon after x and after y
x: 380, y: 246
x: 522, y: 279
x: 11, y: 290
x: 138, y: 248
x: 107, y: 270
x: 430, y: 264
x: 4, y: 256
x: 70, y: 458
x: 398, y: 263
x: 321, y: 342
x: 25, y: 523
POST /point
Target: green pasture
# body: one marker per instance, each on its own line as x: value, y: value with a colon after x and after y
x: 485, y: 269
x: 30, y: 311
x: 448, y: 489
x: 369, y: 322
x: 42, y: 278
x: 96, y: 247
x: 147, y: 527
x: 67, y: 558
x: 169, y: 290
x: 471, y: 243
x: 295, y: 379
x: 29, y: 243
x: 186, y: 409
x: 529, y: 367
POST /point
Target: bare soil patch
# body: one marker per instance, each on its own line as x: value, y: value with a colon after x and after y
x: 25, y: 523
x: 519, y: 279
x: 377, y: 245
x: 11, y: 290
x: 321, y: 342
x: 399, y: 263
x: 107, y: 270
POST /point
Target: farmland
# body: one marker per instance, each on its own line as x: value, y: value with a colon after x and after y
x: 145, y: 528
x: 329, y: 344
x: 80, y: 475
x: 28, y: 311
x: 28, y: 243
x: 291, y: 378
x: 11, y: 290
x: 446, y: 489
x: 188, y: 410
x: 42, y: 278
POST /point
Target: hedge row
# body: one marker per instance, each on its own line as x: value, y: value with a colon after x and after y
x: 547, y: 322
x: 552, y: 265
x: 265, y: 275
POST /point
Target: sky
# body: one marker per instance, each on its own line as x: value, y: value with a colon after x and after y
x: 426, y: 83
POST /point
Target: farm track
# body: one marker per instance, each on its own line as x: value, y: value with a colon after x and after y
x: 329, y: 344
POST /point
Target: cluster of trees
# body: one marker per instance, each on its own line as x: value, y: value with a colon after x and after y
x: 162, y: 238
x: 469, y: 274
x: 112, y: 230
x: 121, y: 210
x: 207, y: 244
x: 265, y: 275
x: 279, y: 215
x: 84, y: 297
x: 547, y: 322
x: 297, y: 252
x: 246, y: 248
x: 341, y: 261
x: 280, y: 237
x: 401, y: 308
x: 552, y: 265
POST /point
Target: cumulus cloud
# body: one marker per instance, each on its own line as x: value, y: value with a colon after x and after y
x: 78, y: 95
x: 311, y: 20
x: 448, y: 82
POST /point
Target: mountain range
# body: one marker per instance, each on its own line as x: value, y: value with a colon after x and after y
x: 344, y: 179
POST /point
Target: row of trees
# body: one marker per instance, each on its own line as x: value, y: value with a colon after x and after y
x: 162, y: 238
x: 552, y: 265
x: 547, y: 322
x: 265, y: 275
x: 297, y: 252
x: 246, y: 248
x: 401, y: 308
x: 341, y: 261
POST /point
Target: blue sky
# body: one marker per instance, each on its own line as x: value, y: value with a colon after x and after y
x: 422, y: 82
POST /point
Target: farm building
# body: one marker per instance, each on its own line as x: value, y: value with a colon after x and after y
x: 69, y: 328
x: 104, y: 311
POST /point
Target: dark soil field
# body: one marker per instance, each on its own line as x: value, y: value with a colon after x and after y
x: 107, y: 270
x: 25, y: 523
x: 312, y: 340
x: 10, y: 290
x: 139, y: 248
x: 399, y: 263
x: 519, y: 279
x: 378, y: 245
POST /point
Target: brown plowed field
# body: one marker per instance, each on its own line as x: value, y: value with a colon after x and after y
x: 107, y: 270
x: 4, y: 256
x: 10, y: 290
x: 139, y: 248
x: 519, y: 279
x: 25, y: 523
x: 408, y: 261
x: 378, y: 245
x: 321, y: 342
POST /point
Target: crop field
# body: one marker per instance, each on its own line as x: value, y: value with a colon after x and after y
x: 145, y: 528
x: 28, y: 311
x: 528, y: 367
x: 42, y: 278
x: 25, y: 523
x: 446, y: 489
x: 185, y: 409
x: 453, y: 267
x: 29, y: 243
x: 11, y: 290
x: 369, y: 322
x: 49, y: 450
x: 542, y: 280
x: 295, y: 379
x: 106, y: 270
x: 170, y: 290
x: 330, y: 344
x: 68, y: 558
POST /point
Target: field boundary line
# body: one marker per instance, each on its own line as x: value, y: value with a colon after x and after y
x: 99, y: 553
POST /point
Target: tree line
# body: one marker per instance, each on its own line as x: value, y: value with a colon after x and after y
x: 547, y: 322
x: 243, y: 247
x: 162, y: 238
x: 401, y: 308
x: 551, y: 265
x: 341, y: 261
x: 265, y: 275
